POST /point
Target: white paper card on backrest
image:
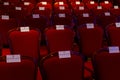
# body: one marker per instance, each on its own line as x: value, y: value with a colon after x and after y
x: 114, y: 49
x: 117, y: 24
x: 116, y: 7
x: 18, y: 8
x: 92, y: 2
x: 106, y: 2
x: 64, y: 54
x: 42, y: 8
x: 13, y: 58
x: 6, y: 3
x: 61, y: 3
x: 107, y: 13
x: 99, y: 7
x: 25, y: 29
x: 61, y: 15
x: 36, y: 16
x: 59, y: 27
x: 85, y: 15
x: 90, y: 25
x: 77, y: 2
x: 5, y: 17
x: 26, y: 3
x: 62, y: 8
x: 44, y: 3
x: 81, y: 7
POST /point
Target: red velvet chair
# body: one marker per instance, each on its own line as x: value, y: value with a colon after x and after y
x: 24, y: 70
x: 56, y: 68
x: 106, y: 65
x: 25, y: 43
x: 113, y: 35
x: 59, y: 40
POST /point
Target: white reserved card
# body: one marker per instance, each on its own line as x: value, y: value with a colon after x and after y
x: 117, y: 24
x: 61, y: 15
x: 5, y: 17
x: 36, y: 16
x: 42, y: 8
x: 6, y: 3
x: 24, y: 29
x: 59, y: 27
x: 85, y: 15
x: 18, y: 8
x: 64, y: 54
x: 107, y: 13
x: 90, y: 25
x: 13, y: 58
x: 114, y: 49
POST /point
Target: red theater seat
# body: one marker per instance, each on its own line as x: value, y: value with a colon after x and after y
x: 24, y: 70
x: 106, y: 65
x: 59, y: 40
x: 113, y: 34
x: 63, y: 68
x: 25, y: 43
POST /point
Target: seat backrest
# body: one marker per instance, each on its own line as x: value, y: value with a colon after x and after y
x: 113, y: 33
x: 25, y: 43
x: 59, y: 40
x: 64, y: 68
x: 106, y: 65
x: 90, y: 39
x: 23, y: 70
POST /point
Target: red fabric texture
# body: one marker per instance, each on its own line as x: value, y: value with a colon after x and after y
x: 59, y: 40
x: 6, y: 25
x: 107, y: 66
x: 25, y: 70
x: 106, y: 6
x: 113, y: 34
x: 103, y: 20
x: 90, y: 40
x: 63, y: 69
x: 25, y: 43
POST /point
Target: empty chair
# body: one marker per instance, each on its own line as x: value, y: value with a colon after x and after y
x: 105, y: 18
x: 59, y: 39
x: 90, y: 38
x: 57, y: 67
x: 22, y: 10
x: 106, y: 4
x: 91, y: 5
x: 25, y: 41
x: 106, y: 64
x: 85, y: 18
x: 43, y: 8
x: 113, y: 32
x: 6, y: 23
x: 63, y: 19
x: 13, y: 68
x: 37, y: 21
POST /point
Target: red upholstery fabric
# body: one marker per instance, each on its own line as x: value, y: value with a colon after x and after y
x: 113, y: 34
x: 83, y: 20
x: 40, y: 22
x: 25, y: 70
x: 25, y: 43
x: 47, y: 12
x: 103, y: 20
x: 107, y: 6
x: 63, y: 69
x: 107, y: 66
x: 90, y: 39
x: 115, y: 12
x: 91, y: 6
x: 21, y: 14
x: 67, y: 20
x: 5, y: 26
x: 59, y: 40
